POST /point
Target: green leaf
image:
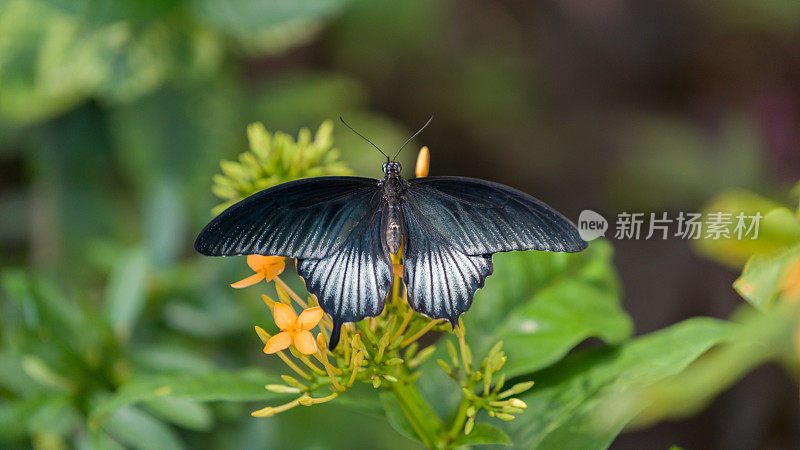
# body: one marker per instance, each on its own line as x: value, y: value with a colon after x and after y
x: 483, y: 433
x: 55, y: 56
x: 563, y: 408
x: 139, y: 430
x: 543, y: 304
x: 764, y: 276
x: 56, y: 415
x: 268, y: 26
x: 180, y: 411
x: 758, y: 337
x: 14, y: 416
x: 164, y: 222
x: 176, y: 135
x: 396, y: 417
x: 170, y: 358
x: 245, y: 385
x: 125, y: 295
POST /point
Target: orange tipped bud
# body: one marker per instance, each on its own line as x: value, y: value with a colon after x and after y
x: 423, y: 162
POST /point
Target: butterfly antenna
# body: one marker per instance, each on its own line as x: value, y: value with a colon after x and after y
x: 415, y: 135
x: 362, y: 137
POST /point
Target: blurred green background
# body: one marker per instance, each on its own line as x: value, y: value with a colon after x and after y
x: 114, y: 115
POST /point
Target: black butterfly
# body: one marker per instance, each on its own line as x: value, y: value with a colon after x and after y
x: 342, y: 230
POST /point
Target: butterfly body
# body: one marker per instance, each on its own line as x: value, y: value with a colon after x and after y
x: 342, y: 231
x: 392, y: 186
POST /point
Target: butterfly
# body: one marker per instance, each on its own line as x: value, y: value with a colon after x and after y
x: 343, y: 230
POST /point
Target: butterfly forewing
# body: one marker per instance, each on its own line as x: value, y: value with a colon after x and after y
x: 309, y: 218
x: 480, y: 217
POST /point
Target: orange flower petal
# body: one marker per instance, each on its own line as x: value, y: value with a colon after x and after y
x: 249, y: 281
x: 285, y: 317
x: 309, y: 318
x: 274, y: 269
x: 278, y: 342
x: 423, y: 162
x: 256, y: 262
x: 304, y: 341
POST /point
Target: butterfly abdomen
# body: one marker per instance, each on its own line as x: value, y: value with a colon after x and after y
x: 392, y: 186
x: 393, y: 230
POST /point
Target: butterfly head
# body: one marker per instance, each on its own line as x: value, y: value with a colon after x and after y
x: 391, y: 168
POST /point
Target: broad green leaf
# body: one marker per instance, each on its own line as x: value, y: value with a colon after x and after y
x: 764, y: 275
x: 396, y: 417
x: 180, y: 411
x: 362, y: 398
x: 758, y: 337
x: 139, y: 430
x: 125, y: 294
x: 403, y: 399
x: 56, y: 415
x: 268, y: 26
x: 562, y: 408
x: 176, y: 136
x: 170, y: 358
x: 13, y: 376
x: 164, y: 223
x: 483, y: 433
x: 543, y: 304
x: 14, y: 415
x: 218, y: 386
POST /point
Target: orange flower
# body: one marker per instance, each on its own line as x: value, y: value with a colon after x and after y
x: 423, y: 161
x: 266, y: 268
x: 294, y: 330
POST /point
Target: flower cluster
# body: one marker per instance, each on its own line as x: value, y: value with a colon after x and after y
x: 274, y: 159
x: 384, y: 352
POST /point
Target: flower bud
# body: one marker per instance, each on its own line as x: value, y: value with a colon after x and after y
x: 281, y: 389
x: 423, y: 163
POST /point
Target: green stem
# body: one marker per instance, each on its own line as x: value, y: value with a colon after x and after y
x: 460, y: 419
x: 419, y: 413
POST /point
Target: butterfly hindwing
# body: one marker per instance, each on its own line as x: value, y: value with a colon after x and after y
x: 352, y: 282
x: 308, y: 218
x: 480, y: 217
x: 332, y: 225
x: 441, y: 279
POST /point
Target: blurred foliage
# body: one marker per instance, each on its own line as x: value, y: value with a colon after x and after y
x: 676, y: 164
x: 778, y: 228
x: 55, y: 53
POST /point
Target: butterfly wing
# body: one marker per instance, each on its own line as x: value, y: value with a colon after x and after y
x: 330, y: 224
x: 440, y: 278
x: 308, y: 218
x: 454, y: 224
x: 352, y: 282
x: 480, y: 217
